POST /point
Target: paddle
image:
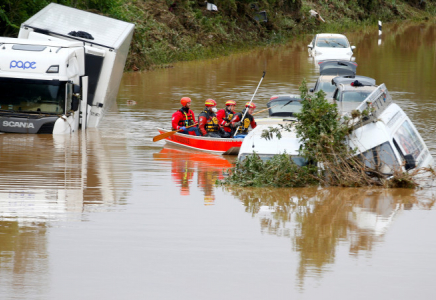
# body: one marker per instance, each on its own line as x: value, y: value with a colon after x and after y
x: 271, y: 107
x: 264, y: 110
x: 264, y: 72
x: 167, y: 134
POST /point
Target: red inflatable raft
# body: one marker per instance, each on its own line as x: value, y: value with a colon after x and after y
x: 229, y: 146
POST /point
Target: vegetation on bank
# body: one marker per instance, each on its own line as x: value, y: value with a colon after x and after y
x: 177, y: 30
x: 323, y: 134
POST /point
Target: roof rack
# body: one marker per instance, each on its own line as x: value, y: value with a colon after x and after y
x: 375, y: 104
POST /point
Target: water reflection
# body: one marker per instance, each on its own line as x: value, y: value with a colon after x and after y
x: 46, y: 180
x: 188, y: 166
x: 317, y: 220
x: 54, y: 177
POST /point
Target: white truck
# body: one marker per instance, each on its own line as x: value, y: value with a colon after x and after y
x: 63, y: 71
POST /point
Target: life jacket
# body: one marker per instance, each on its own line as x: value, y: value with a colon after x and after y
x: 229, y: 115
x: 188, y: 118
x: 211, y: 120
x: 244, y: 123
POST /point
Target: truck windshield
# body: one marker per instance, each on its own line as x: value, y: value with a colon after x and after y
x: 32, y: 96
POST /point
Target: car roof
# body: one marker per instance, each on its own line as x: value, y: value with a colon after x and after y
x: 337, y: 67
x: 349, y: 79
x: 349, y: 87
x: 326, y: 78
x: 330, y: 35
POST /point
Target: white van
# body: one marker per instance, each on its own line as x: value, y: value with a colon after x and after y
x: 387, y: 138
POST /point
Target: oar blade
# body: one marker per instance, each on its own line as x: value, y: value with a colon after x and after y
x: 163, y: 136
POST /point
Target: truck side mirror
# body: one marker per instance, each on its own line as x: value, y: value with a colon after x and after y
x: 76, y: 89
x: 74, y: 103
x: 410, y: 162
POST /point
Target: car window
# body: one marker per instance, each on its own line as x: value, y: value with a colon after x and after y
x: 354, y: 96
x: 332, y: 42
x: 381, y: 158
x: 336, y: 95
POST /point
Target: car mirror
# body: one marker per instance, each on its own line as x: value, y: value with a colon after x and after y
x: 310, y: 46
x: 353, y: 47
x: 311, y: 90
x: 76, y: 89
x: 410, y: 162
x: 75, y: 103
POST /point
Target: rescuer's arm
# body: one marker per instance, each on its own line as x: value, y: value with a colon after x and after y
x: 175, y: 120
x: 201, y: 122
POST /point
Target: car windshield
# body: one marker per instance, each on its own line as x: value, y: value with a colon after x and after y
x: 284, y: 107
x: 327, y: 87
x: 381, y: 158
x: 332, y: 42
x: 41, y: 96
x: 355, y: 96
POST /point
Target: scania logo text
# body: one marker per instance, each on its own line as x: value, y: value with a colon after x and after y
x: 18, y: 124
x: 22, y: 64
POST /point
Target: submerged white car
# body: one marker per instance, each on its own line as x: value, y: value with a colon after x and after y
x: 330, y: 46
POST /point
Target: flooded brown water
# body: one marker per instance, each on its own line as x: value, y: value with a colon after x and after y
x: 108, y: 214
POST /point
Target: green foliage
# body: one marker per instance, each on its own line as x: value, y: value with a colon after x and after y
x: 319, y: 125
x: 280, y: 171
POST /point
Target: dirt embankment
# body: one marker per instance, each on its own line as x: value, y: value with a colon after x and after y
x: 167, y: 31
x: 175, y: 30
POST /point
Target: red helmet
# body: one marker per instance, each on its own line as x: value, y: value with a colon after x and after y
x: 210, y: 103
x: 250, y: 105
x: 185, y: 100
x: 230, y: 102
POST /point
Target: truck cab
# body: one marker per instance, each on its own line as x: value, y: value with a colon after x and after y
x: 39, y: 81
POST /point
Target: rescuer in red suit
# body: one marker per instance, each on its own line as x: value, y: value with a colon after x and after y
x: 185, y: 117
x: 225, y: 116
x: 247, y: 122
x: 207, y: 120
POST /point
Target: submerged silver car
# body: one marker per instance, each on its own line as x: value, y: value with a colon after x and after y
x: 351, y: 90
x: 329, y: 69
